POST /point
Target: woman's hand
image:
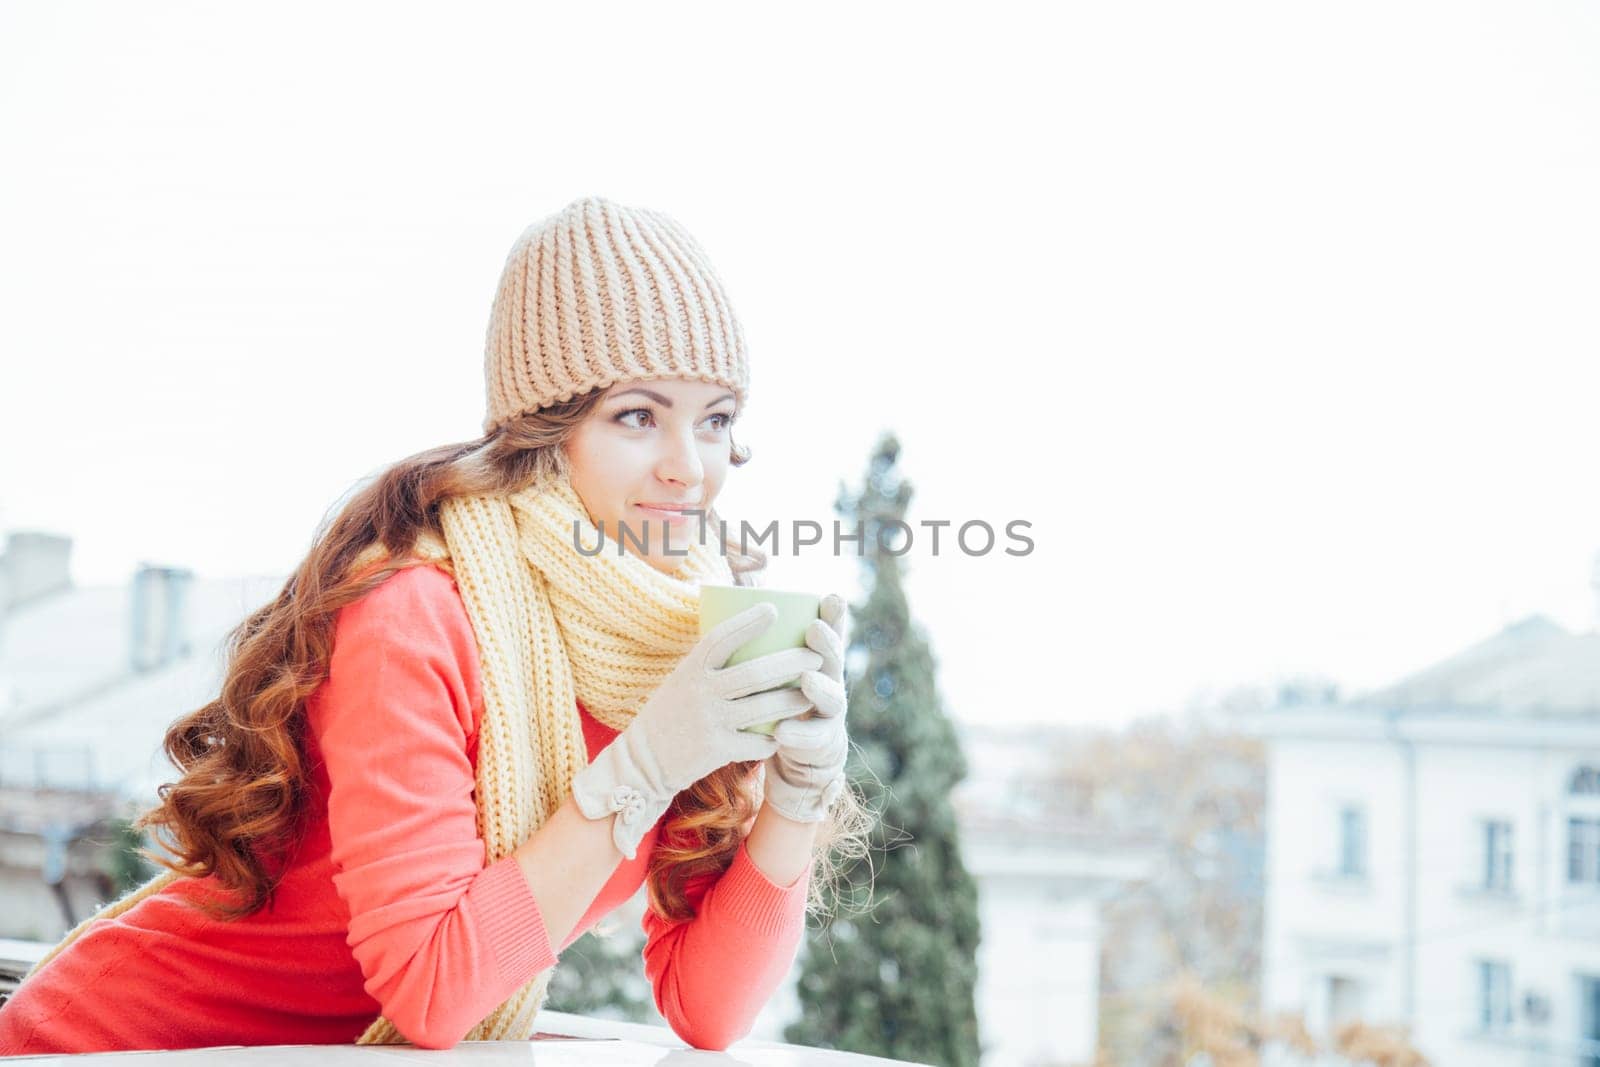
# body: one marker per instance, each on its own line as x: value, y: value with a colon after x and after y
x: 806, y: 774
x: 693, y: 724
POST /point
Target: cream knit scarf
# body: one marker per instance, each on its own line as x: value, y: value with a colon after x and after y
x: 554, y: 626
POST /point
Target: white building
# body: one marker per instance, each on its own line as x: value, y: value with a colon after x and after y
x: 90, y: 678
x: 1043, y: 877
x: 1433, y: 854
x: 1040, y: 892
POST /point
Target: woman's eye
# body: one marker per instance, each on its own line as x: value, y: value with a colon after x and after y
x: 718, y: 422
x: 624, y: 416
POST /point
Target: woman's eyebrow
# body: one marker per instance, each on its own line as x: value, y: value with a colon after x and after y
x: 664, y: 402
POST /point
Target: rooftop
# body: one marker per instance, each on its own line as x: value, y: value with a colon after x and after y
x: 77, y: 713
x: 1532, y: 668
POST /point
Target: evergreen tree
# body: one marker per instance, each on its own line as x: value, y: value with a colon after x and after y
x: 126, y: 865
x: 898, y: 981
x: 603, y: 977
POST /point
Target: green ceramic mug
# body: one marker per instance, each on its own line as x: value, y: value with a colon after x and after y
x: 796, y: 611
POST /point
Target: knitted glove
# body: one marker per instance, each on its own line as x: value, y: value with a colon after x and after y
x: 691, y: 725
x: 806, y: 775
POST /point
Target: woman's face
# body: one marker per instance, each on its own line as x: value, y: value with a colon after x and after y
x: 660, y: 442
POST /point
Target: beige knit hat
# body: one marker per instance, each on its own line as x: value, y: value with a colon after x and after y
x: 600, y: 293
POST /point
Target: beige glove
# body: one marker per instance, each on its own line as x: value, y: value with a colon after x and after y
x: 806, y: 775
x: 691, y: 725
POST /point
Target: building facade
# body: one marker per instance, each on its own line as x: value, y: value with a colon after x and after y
x: 90, y: 678
x: 1433, y: 854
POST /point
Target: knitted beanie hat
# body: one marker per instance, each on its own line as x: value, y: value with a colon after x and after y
x: 600, y: 293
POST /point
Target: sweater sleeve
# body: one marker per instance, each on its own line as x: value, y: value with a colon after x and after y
x: 713, y: 974
x: 441, y: 938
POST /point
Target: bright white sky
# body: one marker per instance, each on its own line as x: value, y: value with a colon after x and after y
x: 1278, y: 322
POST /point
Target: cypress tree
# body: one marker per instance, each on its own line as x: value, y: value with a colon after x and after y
x: 127, y: 867
x: 897, y: 981
x: 601, y: 976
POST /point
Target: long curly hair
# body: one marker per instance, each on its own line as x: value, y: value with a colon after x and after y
x: 237, y: 812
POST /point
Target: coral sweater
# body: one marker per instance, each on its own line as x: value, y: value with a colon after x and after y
x: 388, y: 907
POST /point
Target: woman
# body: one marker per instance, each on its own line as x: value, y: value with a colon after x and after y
x: 459, y: 736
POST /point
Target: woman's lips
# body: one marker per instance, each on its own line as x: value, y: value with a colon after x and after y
x: 668, y: 515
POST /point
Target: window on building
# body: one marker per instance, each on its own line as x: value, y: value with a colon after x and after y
x: 1589, y: 1021
x: 1344, y: 1001
x: 1583, y: 851
x: 1583, y: 827
x: 1352, y: 842
x: 1497, y: 855
x: 1494, y: 995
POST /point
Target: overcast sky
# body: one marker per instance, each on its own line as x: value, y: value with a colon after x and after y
x: 1278, y: 322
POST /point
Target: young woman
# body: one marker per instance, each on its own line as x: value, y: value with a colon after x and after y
x: 459, y: 736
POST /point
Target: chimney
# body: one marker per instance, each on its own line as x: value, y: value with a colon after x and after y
x: 160, y: 618
x: 34, y: 565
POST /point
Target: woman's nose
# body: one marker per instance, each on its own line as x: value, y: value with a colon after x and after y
x: 681, y: 461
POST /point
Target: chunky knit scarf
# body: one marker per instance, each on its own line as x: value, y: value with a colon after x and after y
x: 554, y: 626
